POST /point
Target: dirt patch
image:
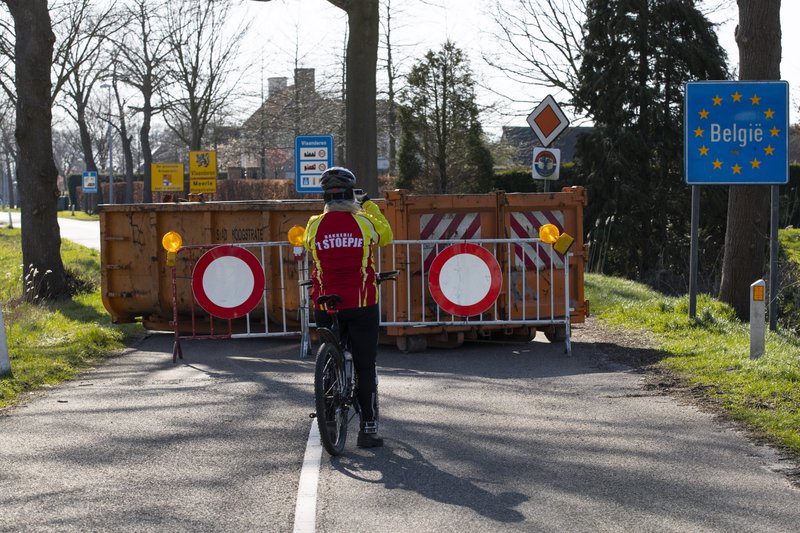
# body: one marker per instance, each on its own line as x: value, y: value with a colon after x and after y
x: 639, y: 351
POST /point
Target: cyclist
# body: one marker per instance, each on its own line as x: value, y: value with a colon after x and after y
x: 340, y: 242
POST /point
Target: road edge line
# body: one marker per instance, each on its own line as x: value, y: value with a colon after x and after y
x: 305, y: 512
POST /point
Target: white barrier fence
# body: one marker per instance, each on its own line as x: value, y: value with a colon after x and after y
x: 531, y: 272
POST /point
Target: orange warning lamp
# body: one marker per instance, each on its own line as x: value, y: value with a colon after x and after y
x: 549, y: 233
x: 172, y: 242
x: 297, y: 235
x: 561, y: 241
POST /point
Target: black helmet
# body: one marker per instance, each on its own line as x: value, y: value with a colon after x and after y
x: 337, y: 179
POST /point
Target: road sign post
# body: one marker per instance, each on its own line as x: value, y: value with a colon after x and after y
x: 465, y: 279
x: 547, y: 122
x: 228, y: 281
x: 546, y: 165
x: 203, y: 171
x: 166, y: 177
x: 313, y: 154
x: 736, y: 133
x: 89, y: 187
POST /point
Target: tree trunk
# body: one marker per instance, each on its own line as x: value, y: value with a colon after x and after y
x: 147, y: 152
x: 361, y: 154
x: 44, y: 275
x: 127, y: 140
x: 759, y: 38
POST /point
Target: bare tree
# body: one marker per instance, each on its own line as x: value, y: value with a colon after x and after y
x: 81, y: 63
x: 67, y: 151
x: 121, y: 127
x: 540, y: 41
x: 393, y: 77
x: 201, y: 59
x: 7, y: 56
x: 143, y: 66
x: 758, y: 35
x: 44, y: 274
x: 7, y: 149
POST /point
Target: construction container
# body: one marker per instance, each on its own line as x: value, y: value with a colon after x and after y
x: 136, y: 283
x: 538, y: 293
x: 532, y: 274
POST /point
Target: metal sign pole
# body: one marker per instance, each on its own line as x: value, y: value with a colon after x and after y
x: 693, y: 251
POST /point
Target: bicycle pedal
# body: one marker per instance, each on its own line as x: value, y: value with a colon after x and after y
x: 312, y: 415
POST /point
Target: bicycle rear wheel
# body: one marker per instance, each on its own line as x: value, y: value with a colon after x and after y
x: 329, y: 394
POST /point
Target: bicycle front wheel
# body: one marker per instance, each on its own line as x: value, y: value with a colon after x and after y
x: 329, y: 394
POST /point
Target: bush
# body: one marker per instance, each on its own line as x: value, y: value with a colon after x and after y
x: 519, y: 179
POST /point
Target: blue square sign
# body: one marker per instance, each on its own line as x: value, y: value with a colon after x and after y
x: 736, y: 133
x: 89, y: 181
x: 313, y: 154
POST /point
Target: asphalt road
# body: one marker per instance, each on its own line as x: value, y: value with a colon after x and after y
x: 488, y: 437
x: 84, y: 232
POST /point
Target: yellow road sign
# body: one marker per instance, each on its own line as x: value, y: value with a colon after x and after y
x: 203, y: 164
x: 203, y: 171
x: 166, y: 177
x: 203, y: 185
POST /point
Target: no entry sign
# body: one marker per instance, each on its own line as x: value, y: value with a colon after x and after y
x: 465, y: 279
x: 228, y: 281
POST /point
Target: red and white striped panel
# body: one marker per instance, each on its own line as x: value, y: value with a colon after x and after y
x: 446, y: 226
x: 525, y: 225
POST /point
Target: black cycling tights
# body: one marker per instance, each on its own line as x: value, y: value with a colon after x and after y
x: 360, y: 324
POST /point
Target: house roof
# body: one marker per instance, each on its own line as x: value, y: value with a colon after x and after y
x: 525, y: 140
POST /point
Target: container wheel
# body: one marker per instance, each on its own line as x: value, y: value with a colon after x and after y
x: 412, y: 343
x: 555, y: 333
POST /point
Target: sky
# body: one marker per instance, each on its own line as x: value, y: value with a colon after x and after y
x: 312, y: 34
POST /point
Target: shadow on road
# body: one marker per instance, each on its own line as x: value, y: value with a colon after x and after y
x: 401, y: 466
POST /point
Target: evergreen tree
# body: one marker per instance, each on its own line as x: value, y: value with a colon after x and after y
x: 637, y: 56
x: 442, y: 139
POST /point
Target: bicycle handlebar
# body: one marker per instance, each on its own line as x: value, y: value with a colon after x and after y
x: 380, y: 277
x: 391, y: 275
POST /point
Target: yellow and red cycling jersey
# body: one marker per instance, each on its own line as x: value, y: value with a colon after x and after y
x: 340, y: 244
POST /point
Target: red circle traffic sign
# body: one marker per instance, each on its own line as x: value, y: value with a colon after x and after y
x: 228, y: 281
x: 465, y: 279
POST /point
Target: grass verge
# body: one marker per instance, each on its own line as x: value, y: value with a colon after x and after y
x: 712, y: 352
x: 52, y: 342
x: 78, y: 215
x: 790, y: 244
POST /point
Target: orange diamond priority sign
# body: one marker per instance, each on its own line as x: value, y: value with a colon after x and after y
x: 547, y: 121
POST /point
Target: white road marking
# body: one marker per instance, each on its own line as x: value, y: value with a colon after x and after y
x: 305, y: 512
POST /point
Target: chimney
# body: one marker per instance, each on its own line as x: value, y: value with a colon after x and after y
x: 275, y: 85
x: 304, y: 79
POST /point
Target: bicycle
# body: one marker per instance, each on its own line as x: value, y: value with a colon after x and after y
x: 335, y: 380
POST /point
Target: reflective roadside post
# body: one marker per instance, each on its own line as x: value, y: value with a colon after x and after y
x: 757, y: 322
x: 5, y: 363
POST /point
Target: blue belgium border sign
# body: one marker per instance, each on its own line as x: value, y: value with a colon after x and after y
x: 736, y: 133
